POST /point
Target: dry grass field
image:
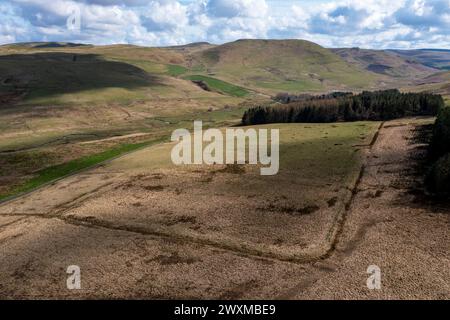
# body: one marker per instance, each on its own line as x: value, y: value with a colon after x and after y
x: 139, y: 227
x: 86, y: 177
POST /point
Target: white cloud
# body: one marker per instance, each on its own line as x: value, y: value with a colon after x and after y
x: 165, y: 16
x: 235, y: 8
x: 425, y: 14
x: 369, y: 23
x: 13, y: 28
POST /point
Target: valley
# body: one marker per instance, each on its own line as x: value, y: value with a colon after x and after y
x: 86, y: 176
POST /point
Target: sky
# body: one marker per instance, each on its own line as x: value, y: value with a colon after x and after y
x: 376, y: 24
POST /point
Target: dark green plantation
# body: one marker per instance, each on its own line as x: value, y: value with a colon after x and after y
x: 376, y: 106
x: 438, y: 179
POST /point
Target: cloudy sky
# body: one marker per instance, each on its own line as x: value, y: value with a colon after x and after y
x: 338, y: 23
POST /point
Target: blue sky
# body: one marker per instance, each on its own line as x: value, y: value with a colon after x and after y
x: 340, y: 23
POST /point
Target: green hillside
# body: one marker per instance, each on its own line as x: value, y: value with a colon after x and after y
x: 61, y: 74
x: 220, y: 86
x: 67, y: 73
x: 281, y: 65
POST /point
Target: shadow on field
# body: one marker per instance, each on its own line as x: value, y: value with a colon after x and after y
x: 40, y: 75
x: 414, y: 176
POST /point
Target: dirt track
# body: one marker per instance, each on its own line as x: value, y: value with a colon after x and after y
x: 383, y: 226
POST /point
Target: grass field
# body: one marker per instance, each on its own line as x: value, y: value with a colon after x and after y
x: 175, y: 70
x: 55, y: 172
x: 84, y: 132
x: 220, y: 86
x: 227, y: 206
x: 318, y: 152
x: 61, y: 152
x: 233, y: 207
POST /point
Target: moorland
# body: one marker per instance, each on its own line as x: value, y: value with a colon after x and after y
x: 86, y: 176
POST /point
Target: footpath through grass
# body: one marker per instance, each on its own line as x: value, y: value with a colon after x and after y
x: 59, y: 171
x: 221, y: 86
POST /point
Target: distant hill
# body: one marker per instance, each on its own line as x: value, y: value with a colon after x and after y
x: 435, y: 58
x: 119, y: 51
x: 436, y: 83
x: 71, y: 72
x: 387, y: 63
x: 191, y: 47
x: 49, y: 44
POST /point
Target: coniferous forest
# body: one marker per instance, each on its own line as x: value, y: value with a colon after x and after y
x: 376, y: 106
x: 438, y: 178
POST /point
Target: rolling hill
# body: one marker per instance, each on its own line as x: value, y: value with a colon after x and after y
x: 236, y: 69
x: 435, y: 58
x: 438, y: 83
x: 387, y: 63
x: 280, y: 65
x: 60, y: 74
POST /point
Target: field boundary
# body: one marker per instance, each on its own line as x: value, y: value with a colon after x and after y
x: 323, y: 251
x: 341, y: 218
x: 96, y: 165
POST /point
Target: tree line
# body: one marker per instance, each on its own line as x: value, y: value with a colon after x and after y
x: 288, y: 98
x: 376, y: 106
x: 438, y: 177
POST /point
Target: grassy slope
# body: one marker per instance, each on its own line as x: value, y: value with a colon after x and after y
x: 55, y: 172
x: 281, y: 65
x: 386, y: 63
x: 119, y: 74
x: 433, y: 58
x: 438, y: 83
x: 127, y: 85
x: 220, y: 86
x: 27, y: 165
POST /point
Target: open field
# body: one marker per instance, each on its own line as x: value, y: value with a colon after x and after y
x: 26, y: 155
x: 314, y: 159
x: 220, y: 86
x: 142, y: 244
